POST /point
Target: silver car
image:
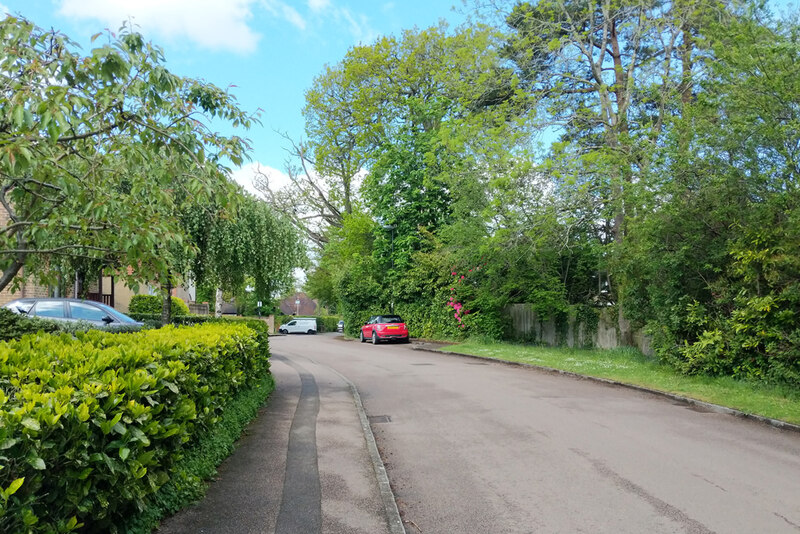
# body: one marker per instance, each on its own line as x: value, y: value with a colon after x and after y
x: 72, y: 310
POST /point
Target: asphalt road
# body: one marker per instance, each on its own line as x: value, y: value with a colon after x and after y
x: 482, y: 447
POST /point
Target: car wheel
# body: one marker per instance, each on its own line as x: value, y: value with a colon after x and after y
x: 407, y: 340
x: 361, y: 336
x: 374, y: 338
x: 310, y: 332
x: 281, y: 331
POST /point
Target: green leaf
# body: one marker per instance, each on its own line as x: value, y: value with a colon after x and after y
x: 31, y: 424
x: 13, y: 487
x: 37, y: 463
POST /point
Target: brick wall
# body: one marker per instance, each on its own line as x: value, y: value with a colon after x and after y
x: 29, y: 288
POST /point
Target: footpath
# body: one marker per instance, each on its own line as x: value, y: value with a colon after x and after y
x: 307, y: 464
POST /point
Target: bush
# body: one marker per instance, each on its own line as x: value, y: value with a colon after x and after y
x: 187, y: 481
x: 91, y: 425
x: 14, y: 326
x: 154, y: 304
x: 153, y: 320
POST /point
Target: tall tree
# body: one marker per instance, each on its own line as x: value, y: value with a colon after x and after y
x: 80, y: 137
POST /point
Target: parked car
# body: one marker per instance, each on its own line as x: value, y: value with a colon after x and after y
x: 340, y: 326
x: 300, y: 325
x: 384, y: 328
x: 72, y: 310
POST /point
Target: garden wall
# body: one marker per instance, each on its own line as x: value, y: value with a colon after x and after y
x: 573, y: 331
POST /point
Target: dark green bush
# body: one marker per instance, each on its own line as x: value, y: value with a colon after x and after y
x: 14, y: 326
x: 154, y: 304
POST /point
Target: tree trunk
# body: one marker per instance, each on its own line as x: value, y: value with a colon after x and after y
x: 218, y: 303
x: 8, y: 275
x: 166, y: 308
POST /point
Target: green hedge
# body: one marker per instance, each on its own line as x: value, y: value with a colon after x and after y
x: 153, y: 320
x: 14, y: 326
x: 153, y: 304
x: 92, y: 425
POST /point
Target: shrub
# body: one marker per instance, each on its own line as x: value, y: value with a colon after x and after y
x: 154, y: 304
x: 91, y: 425
x: 14, y: 326
x: 152, y: 320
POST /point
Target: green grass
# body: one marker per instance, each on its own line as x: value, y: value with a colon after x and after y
x: 629, y: 366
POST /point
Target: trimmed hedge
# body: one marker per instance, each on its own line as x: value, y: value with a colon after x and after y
x: 154, y: 304
x: 14, y: 326
x: 152, y: 320
x: 92, y: 425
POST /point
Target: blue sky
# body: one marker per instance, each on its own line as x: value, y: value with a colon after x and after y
x: 270, y: 50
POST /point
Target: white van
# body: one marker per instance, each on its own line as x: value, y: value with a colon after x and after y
x: 301, y: 325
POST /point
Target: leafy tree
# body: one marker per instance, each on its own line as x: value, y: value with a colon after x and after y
x: 90, y: 148
x: 247, y: 243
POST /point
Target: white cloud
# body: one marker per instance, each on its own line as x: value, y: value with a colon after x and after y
x: 358, y: 25
x: 286, y: 12
x: 4, y: 10
x: 248, y: 175
x: 318, y: 5
x: 213, y: 24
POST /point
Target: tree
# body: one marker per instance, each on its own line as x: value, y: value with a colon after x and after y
x: 246, y: 242
x: 90, y: 149
x: 610, y: 75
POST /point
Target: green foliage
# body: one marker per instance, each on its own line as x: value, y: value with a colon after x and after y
x: 97, y: 151
x: 670, y: 196
x: 246, y: 244
x: 187, y: 482
x: 14, y: 326
x: 151, y: 304
x: 92, y: 441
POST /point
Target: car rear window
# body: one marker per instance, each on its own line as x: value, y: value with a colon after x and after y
x: 390, y: 319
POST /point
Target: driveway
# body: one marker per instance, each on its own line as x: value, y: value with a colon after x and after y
x: 481, y: 447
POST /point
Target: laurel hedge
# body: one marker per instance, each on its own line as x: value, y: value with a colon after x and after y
x: 92, y: 424
x: 153, y: 304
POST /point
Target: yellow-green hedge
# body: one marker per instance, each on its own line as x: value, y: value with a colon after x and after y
x: 90, y: 425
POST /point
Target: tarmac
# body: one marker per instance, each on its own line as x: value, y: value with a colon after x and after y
x: 308, y: 463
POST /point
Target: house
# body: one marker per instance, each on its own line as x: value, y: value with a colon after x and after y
x: 299, y: 304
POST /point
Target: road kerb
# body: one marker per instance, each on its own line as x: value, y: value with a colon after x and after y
x: 716, y: 408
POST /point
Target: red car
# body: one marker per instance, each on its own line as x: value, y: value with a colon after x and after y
x: 384, y: 328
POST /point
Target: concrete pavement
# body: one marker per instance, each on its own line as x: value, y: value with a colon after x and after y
x: 303, y: 466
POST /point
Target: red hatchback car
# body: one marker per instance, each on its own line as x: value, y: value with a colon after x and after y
x: 384, y: 328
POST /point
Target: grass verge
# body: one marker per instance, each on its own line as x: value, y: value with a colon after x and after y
x: 630, y: 366
x: 188, y: 481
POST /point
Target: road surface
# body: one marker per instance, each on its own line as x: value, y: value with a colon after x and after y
x: 481, y: 447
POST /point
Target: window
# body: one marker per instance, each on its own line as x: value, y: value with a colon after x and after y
x: 390, y: 319
x: 86, y: 312
x: 49, y: 308
x: 292, y: 323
